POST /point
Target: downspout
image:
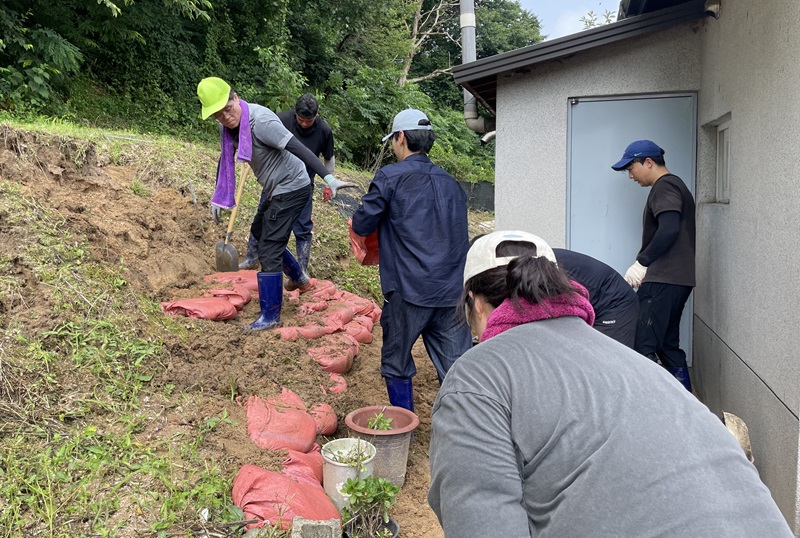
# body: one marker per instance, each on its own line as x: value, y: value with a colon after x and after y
x: 468, y: 54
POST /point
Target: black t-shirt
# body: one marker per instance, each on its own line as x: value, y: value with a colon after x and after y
x: 608, y: 292
x: 676, y: 266
x: 318, y: 138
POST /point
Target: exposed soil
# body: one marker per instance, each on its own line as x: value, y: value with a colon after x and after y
x: 159, y: 240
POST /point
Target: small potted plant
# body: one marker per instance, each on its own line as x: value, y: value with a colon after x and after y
x: 389, y: 428
x: 366, y: 514
x: 343, y: 459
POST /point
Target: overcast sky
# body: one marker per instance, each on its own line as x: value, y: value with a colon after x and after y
x: 562, y: 17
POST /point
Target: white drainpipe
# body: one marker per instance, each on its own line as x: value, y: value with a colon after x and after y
x: 468, y: 54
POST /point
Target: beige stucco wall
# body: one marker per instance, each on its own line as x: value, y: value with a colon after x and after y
x: 746, y: 332
x: 746, y: 328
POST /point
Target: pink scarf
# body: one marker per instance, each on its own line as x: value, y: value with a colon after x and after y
x: 226, y: 177
x: 507, y: 316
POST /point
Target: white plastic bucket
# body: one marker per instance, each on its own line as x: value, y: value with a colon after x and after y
x: 335, y: 473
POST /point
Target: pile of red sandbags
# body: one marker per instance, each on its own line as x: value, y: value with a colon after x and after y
x: 284, y: 423
x: 219, y: 304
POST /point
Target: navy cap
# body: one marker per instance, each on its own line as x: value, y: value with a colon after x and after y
x: 638, y: 149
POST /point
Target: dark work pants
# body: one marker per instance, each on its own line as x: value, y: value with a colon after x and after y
x: 302, y: 227
x: 620, y: 325
x: 658, y: 331
x: 272, y: 226
x: 444, y: 332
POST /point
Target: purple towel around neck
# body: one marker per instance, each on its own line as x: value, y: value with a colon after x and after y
x: 224, y: 194
x: 507, y: 316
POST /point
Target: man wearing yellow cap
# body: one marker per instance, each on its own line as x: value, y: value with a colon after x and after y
x: 279, y: 162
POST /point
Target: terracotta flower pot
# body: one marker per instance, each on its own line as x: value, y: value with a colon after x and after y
x: 391, y: 445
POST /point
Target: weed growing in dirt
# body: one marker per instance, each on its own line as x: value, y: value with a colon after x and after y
x: 77, y: 412
x: 138, y: 189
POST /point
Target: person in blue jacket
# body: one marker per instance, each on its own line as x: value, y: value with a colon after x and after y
x: 420, y: 213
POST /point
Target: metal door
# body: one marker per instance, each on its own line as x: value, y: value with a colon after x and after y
x: 604, y: 207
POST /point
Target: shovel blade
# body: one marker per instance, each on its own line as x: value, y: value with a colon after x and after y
x: 227, y: 257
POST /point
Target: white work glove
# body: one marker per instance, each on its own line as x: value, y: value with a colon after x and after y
x: 635, y: 274
x: 336, y: 184
x: 216, y: 213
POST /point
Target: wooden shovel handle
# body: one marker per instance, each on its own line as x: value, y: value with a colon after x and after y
x: 239, y: 188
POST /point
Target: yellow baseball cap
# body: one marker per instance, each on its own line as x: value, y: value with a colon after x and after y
x: 213, y: 93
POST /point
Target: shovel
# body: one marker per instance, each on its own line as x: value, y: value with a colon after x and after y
x: 227, y: 257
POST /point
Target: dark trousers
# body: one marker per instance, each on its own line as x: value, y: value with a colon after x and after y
x: 658, y: 331
x: 302, y: 227
x: 444, y: 332
x: 272, y: 226
x: 620, y: 325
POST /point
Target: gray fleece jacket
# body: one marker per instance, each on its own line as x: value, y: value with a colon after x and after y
x: 551, y: 429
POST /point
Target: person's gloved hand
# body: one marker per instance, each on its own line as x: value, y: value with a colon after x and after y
x: 327, y: 194
x: 336, y: 184
x: 216, y: 213
x: 635, y: 274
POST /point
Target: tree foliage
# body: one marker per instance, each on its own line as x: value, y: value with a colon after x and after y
x: 136, y: 63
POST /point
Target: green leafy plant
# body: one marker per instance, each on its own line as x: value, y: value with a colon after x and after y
x: 379, y: 422
x: 368, y: 506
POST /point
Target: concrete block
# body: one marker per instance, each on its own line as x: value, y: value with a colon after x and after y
x: 309, y: 528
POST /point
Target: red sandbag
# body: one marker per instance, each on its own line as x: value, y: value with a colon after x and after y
x: 288, y: 333
x: 310, y: 308
x: 365, y: 249
x: 359, y: 332
x: 324, y: 293
x: 358, y: 304
x: 325, y: 417
x: 277, y: 498
x: 339, y: 383
x: 306, y: 467
x: 365, y: 322
x: 213, y: 308
x: 337, y: 356
x: 338, y: 318
x: 375, y: 314
x: 312, y: 332
x: 247, y: 279
x: 280, y: 423
x: 238, y: 296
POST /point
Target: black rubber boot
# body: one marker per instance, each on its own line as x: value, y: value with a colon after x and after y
x: 251, y: 260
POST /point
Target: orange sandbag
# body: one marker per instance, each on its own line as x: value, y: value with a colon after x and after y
x: 358, y: 304
x: 337, y: 355
x: 365, y: 249
x: 277, y: 498
x: 280, y: 423
x: 359, y: 332
x: 238, y: 296
x: 339, y: 383
x: 375, y: 314
x: 246, y: 278
x: 213, y: 308
x: 304, y: 466
x: 325, y: 417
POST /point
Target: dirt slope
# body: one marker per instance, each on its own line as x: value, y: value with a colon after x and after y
x: 157, y: 239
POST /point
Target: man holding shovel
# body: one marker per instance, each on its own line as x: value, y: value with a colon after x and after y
x: 314, y: 132
x: 279, y: 162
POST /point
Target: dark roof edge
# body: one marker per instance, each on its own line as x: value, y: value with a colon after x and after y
x: 588, y: 39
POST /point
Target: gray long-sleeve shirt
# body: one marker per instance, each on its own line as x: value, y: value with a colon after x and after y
x: 551, y: 429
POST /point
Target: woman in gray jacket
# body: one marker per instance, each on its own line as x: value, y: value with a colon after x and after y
x: 548, y: 428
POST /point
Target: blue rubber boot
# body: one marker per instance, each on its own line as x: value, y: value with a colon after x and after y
x: 681, y: 373
x: 303, y: 253
x: 251, y: 259
x: 401, y: 392
x: 298, y: 278
x: 270, y: 298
